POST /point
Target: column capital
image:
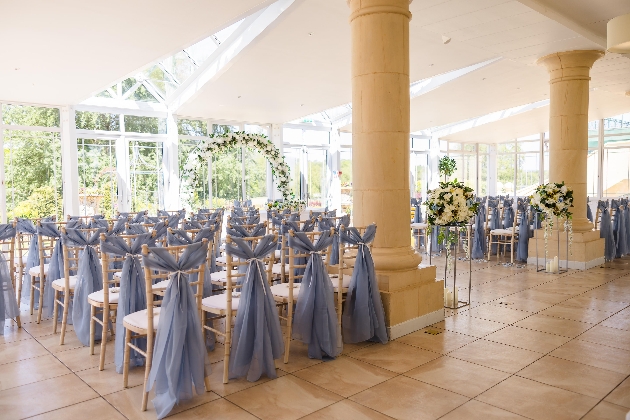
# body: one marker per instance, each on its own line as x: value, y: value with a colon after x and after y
x: 367, y: 7
x: 570, y: 65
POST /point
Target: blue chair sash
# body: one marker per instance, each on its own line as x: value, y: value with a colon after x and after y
x: 523, y: 232
x: 606, y: 231
x: 479, y: 238
x: 8, y: 303
x: 315, y: 321
x: 363, y: 316
x: 180, y: 359
x: 619, y: 229
x: 55, y: 266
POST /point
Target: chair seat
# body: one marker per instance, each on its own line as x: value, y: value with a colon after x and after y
x: 34, y: 271
x: 276, y: 269
x: 161, y: 285
x: 60, y: 284
x: 140, y: 320
x: 100, y: 296
x: 282, y: 290
x: 118, y: 274
x: 501, y: 232
x: 219, y: 302
x: 278, y: 253
x: 419, y: 225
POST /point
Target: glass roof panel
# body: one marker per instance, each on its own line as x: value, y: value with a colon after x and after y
x: 161, y: 80
x: 180, y: 66
x: 200, y: 51
x: 224, y: 34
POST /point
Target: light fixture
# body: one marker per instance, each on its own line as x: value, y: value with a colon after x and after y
x: 239, y: 96
x: 431, y: 65
x: 446, y: 39
x: 310, y: 34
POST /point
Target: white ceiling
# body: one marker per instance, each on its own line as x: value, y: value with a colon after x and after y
x: 300, y: 65
x: 63, y: 51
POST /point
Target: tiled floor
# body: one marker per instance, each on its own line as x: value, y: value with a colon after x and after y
x: 530, y: 345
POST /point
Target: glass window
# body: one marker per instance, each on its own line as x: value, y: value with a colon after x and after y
x: 256, y: 129
x: 454, y: 146
x: 86, y: 120
x: 255, y: 176
x: 505, y: 147
x: 32, y: 162
x: 346, y: 180
x: 97, y: 177
x: 528, y: 146
x: 292, y: 156
x: 192, y: 127
x: 316, y: 160
x: 420, y: 172
x: 227, y: 175
x: 592, y: 164
x: 527, y: 173
x: 483, y: 148
x: 466, y: 170
x: 505, y: 173
x: 469, y: 147
x: 30, y: 115
x: 616, y: 171
x: 150, y: 125
x: 146, y: 175
x: 483, y: 175
x: 201, y: 190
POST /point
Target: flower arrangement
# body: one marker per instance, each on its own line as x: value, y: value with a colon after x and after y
x: 554, y: 199
x: 291, y: 203
x: 451, y: 204
x: 217, y: 143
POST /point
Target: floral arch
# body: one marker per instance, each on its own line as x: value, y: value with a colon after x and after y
x: 217, y: 143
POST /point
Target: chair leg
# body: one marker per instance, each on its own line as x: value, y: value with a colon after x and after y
x: 32, y: 297
x: 101, y: 364
x: 228, y: 340
x: 92, y: 329
x: 64, y: 319
x: 287, y: 342
x: 42, y: 282
x: 19, y: 287
x: 55, y: 310
x: 126, y: 358
x: 147, y: 370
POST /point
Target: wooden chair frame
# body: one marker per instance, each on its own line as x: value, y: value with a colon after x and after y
x: 7, y: 247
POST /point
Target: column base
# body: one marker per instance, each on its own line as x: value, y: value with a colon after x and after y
x: 587, y: 249
x: 412, y: 299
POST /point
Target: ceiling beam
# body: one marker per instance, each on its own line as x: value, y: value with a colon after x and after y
x: 555, y: 15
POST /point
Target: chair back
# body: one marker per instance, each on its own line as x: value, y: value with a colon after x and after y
x: 7, y: 248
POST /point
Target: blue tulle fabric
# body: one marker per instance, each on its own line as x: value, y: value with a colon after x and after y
x: 132, y: 297
x: 55, y: 265
x: 606, y: 231
x: 619, y: 229
x: 257, y: 338
x: 327, y: 224
x: 135, y: 229
x: 495, y: 222
x: 180, y: 359
x: 508, y: 213
x: 315, y: 320
x: 479, y: 236
x: 626, y: 212
x: 32, y: 257
x: 89, y: 280
x: 8, y: 303
x: 523, y: 231
x: 139, y: 217
x: 363, y: 316
x: 239, y: 231
x: 589, y: 212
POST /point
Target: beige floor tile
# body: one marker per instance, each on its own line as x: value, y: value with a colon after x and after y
x: 522, y: 304
x: 621, y: 395
x: 537, y: 401
x: 596, y: 304
x: 345, y: 376
x: 456, y: 375
x: 346, y: 410
x: 20, y: 350
x: 498, y: 314
x: 475, y: 327
x: 217, y: 354
x: 12, y: 333
x: 40, y: 397
x: 394, y: 356
x: 215, y: 410
x: 443, y: 342
x: 129, y: 403
x: 80, y: 358
x: 233, y: 385
x: 620, y: 321
x: 563, y: 289
x: 606, y: 411
x: 284, y: 398
x: 31, y: 370
x: 298, y: 358
x: 527, y: 339
x: 476, y: 410
x: 51, y: 342
x: 551, y: 325
x: 496, y: 356
x: 107, y: 381
x: 575, y: 314
x: 540, y: 296
x: 573, y: 376
x: 406, y: 398
x: 96, y: 409
x: 44, y: 328
x: 350, y: 347
x: 595, y: 355
x: 612, y: 294
x: 607, y: 336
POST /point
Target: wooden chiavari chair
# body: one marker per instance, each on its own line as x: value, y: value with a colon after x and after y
x: 145, y: 323
x: 504, y: 237
x: 225, y: 305
x: 39, y: 274
x: 66, y: 286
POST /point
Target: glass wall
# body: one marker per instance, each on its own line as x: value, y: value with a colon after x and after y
x: 527, y: 165
x: 616, y: 170
x: 466, y: 158
x: 483, y: 159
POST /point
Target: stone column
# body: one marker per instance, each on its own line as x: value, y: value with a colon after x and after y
x: 568, y: 150
x: 568, y: 124
x: 380, y: 157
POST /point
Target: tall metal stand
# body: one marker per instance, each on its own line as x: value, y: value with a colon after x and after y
x: 544, y: 266
x: 459, y: 303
